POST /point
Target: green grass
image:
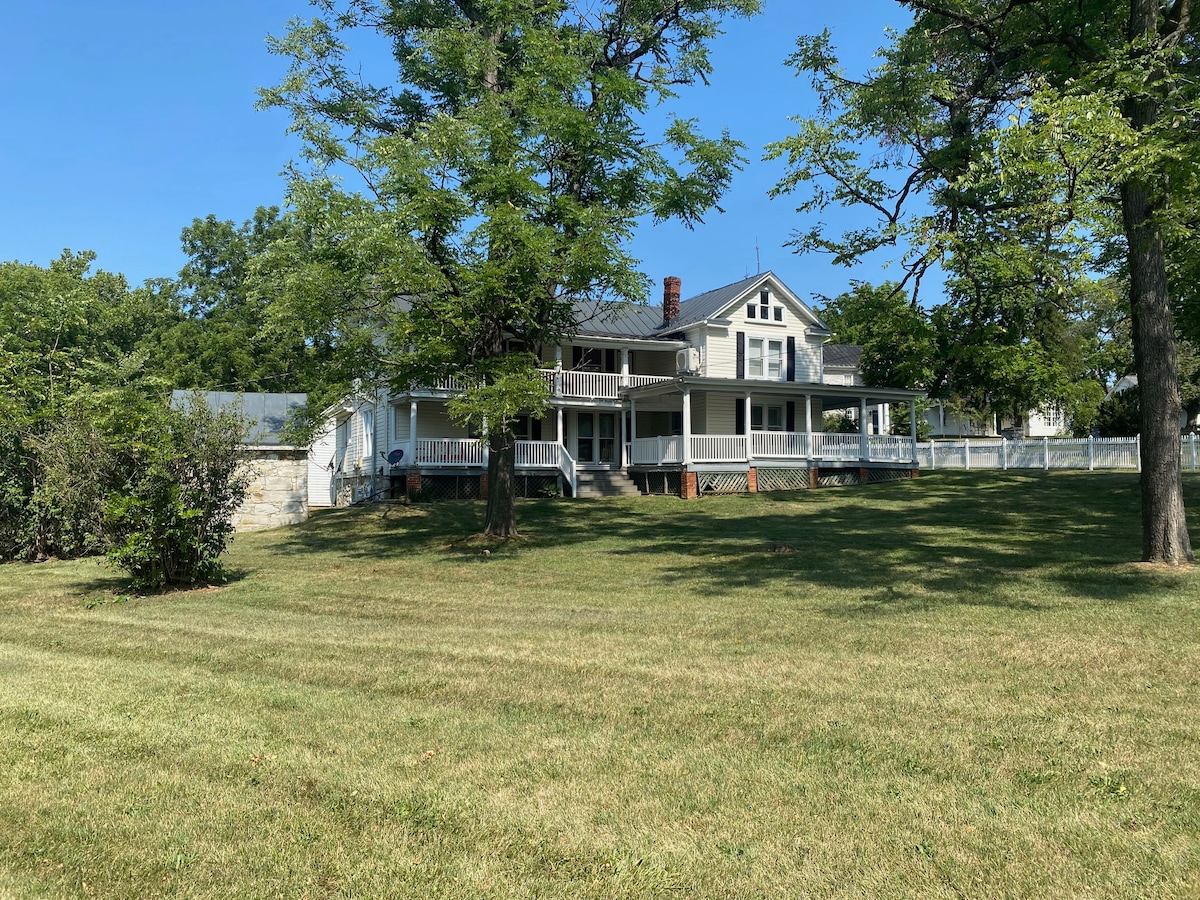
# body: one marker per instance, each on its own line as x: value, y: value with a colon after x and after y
x: 953, y: 687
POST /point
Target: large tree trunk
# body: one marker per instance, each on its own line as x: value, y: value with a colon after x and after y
x: 501, y: 518
x: 1164, y: 524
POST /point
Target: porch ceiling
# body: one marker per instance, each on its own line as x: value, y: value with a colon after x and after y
x: 779, y: 388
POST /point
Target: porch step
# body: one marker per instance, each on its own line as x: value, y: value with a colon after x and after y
x: 606, y: 484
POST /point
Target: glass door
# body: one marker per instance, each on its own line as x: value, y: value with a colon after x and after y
x: 596, y: 438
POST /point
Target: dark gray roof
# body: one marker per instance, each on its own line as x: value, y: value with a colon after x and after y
x: 636, y: 320
x: 704, y: 306
x: 845, y: 355
x: 626, y: 320
x: 267, y: 413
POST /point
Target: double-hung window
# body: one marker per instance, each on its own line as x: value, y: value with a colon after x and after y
x: 765, y: 359
x: 766, y: 418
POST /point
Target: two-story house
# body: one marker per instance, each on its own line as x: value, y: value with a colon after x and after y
x: 723, y: 392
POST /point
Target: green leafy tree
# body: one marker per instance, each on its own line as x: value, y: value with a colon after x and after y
x: 898, y: 340
x: 217, y: 333
x: 68, y: 339
x: 504, y: 164
x: 62, y: 328
x: 1043, y: 139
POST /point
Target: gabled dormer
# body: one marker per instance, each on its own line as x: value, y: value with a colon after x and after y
x: 756, y: 329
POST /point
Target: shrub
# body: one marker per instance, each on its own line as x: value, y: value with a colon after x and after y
x: 170, y: 522
x: 75, y: 467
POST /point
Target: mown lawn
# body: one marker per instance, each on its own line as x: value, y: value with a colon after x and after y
x: 953, y: 687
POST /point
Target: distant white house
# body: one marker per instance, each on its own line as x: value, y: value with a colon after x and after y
x: 723, y: 392
x: 943, y: 421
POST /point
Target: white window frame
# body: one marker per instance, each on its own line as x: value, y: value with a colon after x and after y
x: 756, y: 357
x: 368, y: 437
x: 761, y: 415
x: 765, y: 359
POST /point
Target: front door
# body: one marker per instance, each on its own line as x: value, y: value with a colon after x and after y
x: 596, y: 441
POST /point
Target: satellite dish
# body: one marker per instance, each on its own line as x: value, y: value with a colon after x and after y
x: 395, y: 456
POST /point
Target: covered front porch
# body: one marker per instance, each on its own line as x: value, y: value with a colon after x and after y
x: 741, y: 422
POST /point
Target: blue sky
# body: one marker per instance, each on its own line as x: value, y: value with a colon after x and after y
x: 127, y: 120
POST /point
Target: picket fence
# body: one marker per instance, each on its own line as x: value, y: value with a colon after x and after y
x: 1046, y: 453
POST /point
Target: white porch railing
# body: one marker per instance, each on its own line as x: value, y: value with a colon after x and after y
x: 889, y: 447
x: 590, y: 385
x: 837, y: 446
x: 640, y: 380
x: 656, y: 451
x: 538, y: 454
x: 566, y: 463
x: 449, y: 386
x: 466, y: 452
x: 792, y: 445
x: 718, y: 448
x: 568, y: 383
x: 779, y: 444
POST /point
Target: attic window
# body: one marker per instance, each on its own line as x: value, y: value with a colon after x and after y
x: 750, y: 311
x: 778, y: 313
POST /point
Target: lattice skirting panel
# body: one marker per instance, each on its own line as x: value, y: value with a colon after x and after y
x: 837, y: 477
x: 468, y: 487
x: 782, y: 479
x: 534, y: 486
x: 878, y: 476
x: 450, y: 487
x: 722, y: 482
x: 658, y: 482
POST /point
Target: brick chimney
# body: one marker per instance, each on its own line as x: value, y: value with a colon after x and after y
x: 671, y: 286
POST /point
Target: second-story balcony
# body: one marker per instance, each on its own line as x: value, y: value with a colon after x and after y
x: 569, y: 384
x: 594, y: 385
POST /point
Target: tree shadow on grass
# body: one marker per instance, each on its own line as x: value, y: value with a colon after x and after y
x: 988, y: 538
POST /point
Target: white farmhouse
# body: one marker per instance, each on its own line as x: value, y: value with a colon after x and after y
x: 723, y: 392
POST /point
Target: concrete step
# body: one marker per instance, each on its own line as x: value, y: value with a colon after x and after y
x: 606, y: 484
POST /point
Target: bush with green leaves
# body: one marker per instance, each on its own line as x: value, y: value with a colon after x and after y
x: 169, y: 524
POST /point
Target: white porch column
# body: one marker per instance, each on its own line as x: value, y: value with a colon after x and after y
x: 687, y: 426
x: 562, y: 437
x: 863, y: 444
x: 624, y: 444
x: 558, y: 379
x: 412, y: 432
x: 912, y: 425
x: 624, y: 367
x: 746, y: 419
x: 808, y: 432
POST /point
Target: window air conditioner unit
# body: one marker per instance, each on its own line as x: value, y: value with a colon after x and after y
x: 687, y: 362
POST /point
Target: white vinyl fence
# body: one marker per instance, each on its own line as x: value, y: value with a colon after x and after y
x: 1046, y: 453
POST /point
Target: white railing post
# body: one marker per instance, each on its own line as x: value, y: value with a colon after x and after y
x: 1046, y: 453
x: 1004, y: 454
x: 808, y: 430
x: 687, y: 426
x: 1137, y: 448
x: 864, y: 447
x: 932, y: 455
x: 1192, y: 441
x: 967, y: 453
x: 1091, y: 453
